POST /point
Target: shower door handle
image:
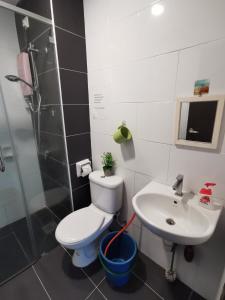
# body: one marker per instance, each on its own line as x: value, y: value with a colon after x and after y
x: 2, y: 162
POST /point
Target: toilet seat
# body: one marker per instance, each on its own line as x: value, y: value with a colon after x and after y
x: 79, y: 226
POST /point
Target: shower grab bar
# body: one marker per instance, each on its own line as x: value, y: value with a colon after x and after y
x: 2, y: 163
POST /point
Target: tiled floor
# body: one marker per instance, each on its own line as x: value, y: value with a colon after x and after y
x: 15, y: 243
x: 54, y: 277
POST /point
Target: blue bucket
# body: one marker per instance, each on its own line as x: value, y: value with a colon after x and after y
x: 120, y: 258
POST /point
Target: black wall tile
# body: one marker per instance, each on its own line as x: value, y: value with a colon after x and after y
x: 52, y: 146
x: 40, y: 7
x: 79, y: 147
x: 81, y: 197
x: 76, y: 119
x: 69, y: 15
x: 20, y: 31
x: 57, y: 197
x: 74, y: 87
x: 77, y: 181
x: 48, y: 83
x: 71, y: 51
x: 35, y: 29
x: 54, y: 169
x: 51, y: 119
x: 45, y: 59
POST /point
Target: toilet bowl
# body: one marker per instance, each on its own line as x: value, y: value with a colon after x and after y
x: 81, y: 229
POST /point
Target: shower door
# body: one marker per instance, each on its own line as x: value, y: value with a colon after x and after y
x: 17, y: 250
x: 35, y: 191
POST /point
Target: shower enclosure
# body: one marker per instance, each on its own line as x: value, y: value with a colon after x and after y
x: 34, y: 184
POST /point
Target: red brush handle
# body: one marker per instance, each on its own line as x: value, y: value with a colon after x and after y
x: 119, y: 233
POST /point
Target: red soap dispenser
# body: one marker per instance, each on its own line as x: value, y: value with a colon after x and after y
x: 205, y: 195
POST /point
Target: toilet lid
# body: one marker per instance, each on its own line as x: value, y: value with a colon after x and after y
x: 79, y: 225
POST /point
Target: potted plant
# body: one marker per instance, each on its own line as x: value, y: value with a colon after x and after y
x: 107, y: 162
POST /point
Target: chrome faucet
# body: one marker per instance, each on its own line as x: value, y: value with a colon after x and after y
x: 178, y: 185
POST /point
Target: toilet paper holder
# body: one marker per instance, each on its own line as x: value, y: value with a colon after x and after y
x: 80, y: 165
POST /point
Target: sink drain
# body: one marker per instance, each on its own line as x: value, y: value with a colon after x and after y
x: 170, y: 221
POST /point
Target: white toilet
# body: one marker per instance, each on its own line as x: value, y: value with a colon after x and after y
x: 81, y: 229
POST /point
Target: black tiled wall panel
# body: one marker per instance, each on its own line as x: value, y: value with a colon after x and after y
x: 40, y: 7
x: 71, y: 45
x: 71, y: 51
x: 74, y: 87
x: 69, y: 15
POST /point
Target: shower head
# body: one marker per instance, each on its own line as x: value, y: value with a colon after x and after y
x: 14, y: 78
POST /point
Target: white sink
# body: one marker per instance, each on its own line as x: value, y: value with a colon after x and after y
x: 156, y: 206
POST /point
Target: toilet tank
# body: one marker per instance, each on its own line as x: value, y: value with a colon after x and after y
x: 106, y: 192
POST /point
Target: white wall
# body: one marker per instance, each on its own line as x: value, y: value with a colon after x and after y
x: 11, y: 203
x: 140, y: 63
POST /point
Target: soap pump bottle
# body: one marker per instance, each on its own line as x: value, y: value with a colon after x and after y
x: 205, y: 195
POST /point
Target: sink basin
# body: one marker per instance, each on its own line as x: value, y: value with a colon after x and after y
x: 178, y: 219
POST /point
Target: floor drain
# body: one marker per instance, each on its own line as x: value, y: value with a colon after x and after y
x: 170, y: 221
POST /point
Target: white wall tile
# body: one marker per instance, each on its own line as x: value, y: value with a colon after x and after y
x: 123, y: 112
x: 147, y: 80
x: 123, y: 8
x: 152, y: 159
x: 153, y: 246
x: 156, y: 121
x: 99, y: 82
x: 124, y: 155
x: 141, y: 180
x: 135, y: 232
x: 140, y: 63
x: 97, y: 33
x: 198, y: 167
x: 223, y: 146
x: 202, y: 62
x: 101, y: 143
x: 183, y: 24
x: 128, y: 192
x: 110, y: 117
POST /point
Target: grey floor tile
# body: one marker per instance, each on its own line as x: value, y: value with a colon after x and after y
x: 61, y: 279
x: 95, y: 271
x: 196, y: 296
x: 12, y: 258
x: 25, y: 286
x: 153, y: 274
x: 43, y: 224
x: 96, y: 295
x: 134, y: 290
x: 5, y: 231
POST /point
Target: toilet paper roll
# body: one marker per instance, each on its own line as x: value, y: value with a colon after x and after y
x: 85, y: 170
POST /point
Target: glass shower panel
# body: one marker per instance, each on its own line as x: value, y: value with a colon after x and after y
x: 15, y: 253
x: 39, y: 43
x: 36, y: 130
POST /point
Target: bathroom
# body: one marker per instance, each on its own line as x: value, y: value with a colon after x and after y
x: 73, y: 75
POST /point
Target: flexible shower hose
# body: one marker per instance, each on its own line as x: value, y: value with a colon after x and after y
x: 119, y: 233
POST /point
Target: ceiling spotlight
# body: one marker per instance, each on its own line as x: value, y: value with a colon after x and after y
x: 157, y: 9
